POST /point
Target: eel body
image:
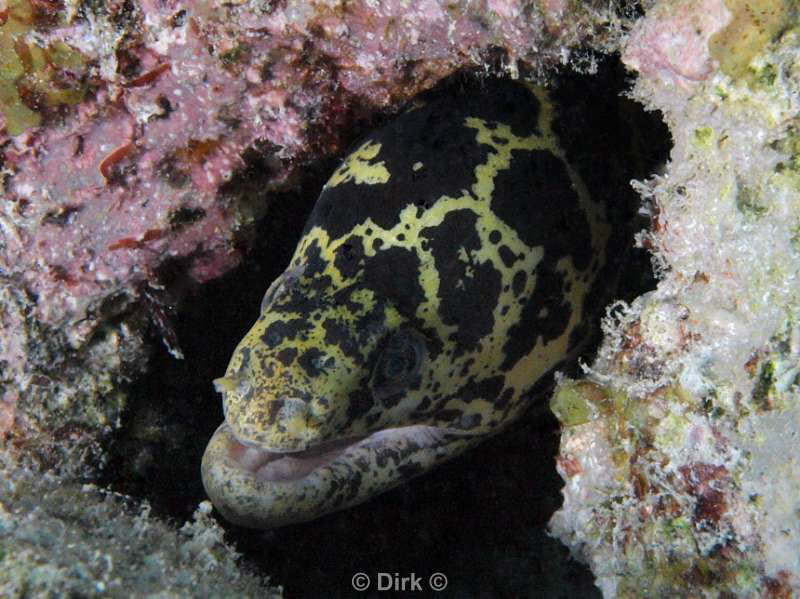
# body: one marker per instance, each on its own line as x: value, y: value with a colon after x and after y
x: 445, y: 268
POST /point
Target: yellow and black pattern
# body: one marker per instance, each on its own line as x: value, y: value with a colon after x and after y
x: 444, y: 269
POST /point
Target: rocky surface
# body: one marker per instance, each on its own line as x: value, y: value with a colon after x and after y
x: 142, y: 145
x: 680, y: 449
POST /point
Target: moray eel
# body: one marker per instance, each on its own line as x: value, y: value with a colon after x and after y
x: 446, y: 267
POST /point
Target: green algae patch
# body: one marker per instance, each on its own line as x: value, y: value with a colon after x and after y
x: 764, y: 391
x: 34, y: 79
x: 721, y: 574
x: 578, y: 403
x: 789, y: 145
x: 754, y: 24
x: 570, y: 407
x: 671, y: 432
x: 704, y: 136
x: 747, y: 202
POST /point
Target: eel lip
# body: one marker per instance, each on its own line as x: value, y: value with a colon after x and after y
x: 258, y: 488
x: 271, y: 465
x: 276, y: 466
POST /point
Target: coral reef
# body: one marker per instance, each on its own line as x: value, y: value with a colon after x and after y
x: 139, y: 142
x: 680, y: 449
x: 35, y: 78
x: 59, y: 538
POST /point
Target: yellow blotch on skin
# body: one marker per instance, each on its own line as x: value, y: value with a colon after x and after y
x: 357, y: 167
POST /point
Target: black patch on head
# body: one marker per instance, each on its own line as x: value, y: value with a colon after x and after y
x: 514, y: 105
x: 310, y: 361
x: 359, y: 402
x: 313, y: 288
x: 436, y: 136
x: 370, y: 327
x: 350, y: 257
x: 343, y: 300
x: 467, y: 365
x: 535, y: 197
x: 274, y: 411
x: 304, y: 291
x: 495, y: 237
x: 434, y: 344
x: 504, y: 398
x: 287, y: 355
x: 314, y: 264
x: 507, y: 256
x: 245, y: 357
x: 486, y: 389
x: 390, y: 401
x: 279, y: 330
x: 547, y: 296
x: 451, y: 416
x: 465, y: 301
x: 508, y: 103
x: 341, y: 336
x: 393, y: 274
x: 421, y: 407
x: 307, y: 296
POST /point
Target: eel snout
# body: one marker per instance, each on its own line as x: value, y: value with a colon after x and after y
x: 255, y: 487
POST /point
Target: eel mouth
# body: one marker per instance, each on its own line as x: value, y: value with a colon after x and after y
x: 259, y: 488
x: 267, y: 465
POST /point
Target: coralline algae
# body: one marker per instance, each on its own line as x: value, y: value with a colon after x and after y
x: 680, y: 450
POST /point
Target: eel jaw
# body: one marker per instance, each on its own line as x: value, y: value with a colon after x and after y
x: 257, y: 488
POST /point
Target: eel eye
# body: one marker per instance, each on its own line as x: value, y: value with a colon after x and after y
x: 395, y: 366
x: 399, y: 362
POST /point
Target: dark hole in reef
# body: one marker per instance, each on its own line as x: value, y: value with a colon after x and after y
x: 479, y: 519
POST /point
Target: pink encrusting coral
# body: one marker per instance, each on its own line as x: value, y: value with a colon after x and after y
x: 128, y: 138
x: 672, y: 45
x: 100, y: 193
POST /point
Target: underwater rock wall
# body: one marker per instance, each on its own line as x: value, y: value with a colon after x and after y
x: 61, y: 538
x: 680, y: 448
x: 139, y: 142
